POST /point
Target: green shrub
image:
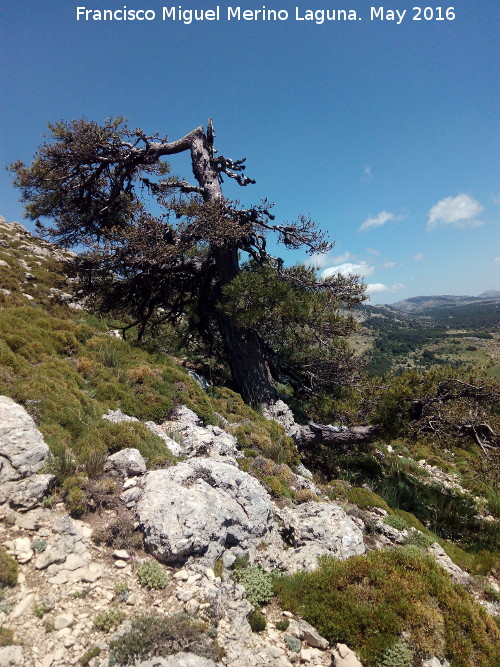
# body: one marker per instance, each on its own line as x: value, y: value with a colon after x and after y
x: 91, y: 653
x: 151, y: 574
x: 105, y: 621
x: 114, y: 437
x: 120, y: 534
x: 39, y: 545
x: 282, y: 625
x: 364, y: 498
x: 40, y: 610
x: 257, y: 621
x: 419, y: 539
x: 48, y: 626
x: 9, y: 569
x: 155, y: 635
x: 395, y: 522
x: 258, y: 584
x: 368, y: 601
x: 292, y: 643
x: 397, y: 655
x: 6, y: 636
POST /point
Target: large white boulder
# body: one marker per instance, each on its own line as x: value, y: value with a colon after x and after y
x: 201, y: 507
x: 23, y: 450
x: 318, y: 529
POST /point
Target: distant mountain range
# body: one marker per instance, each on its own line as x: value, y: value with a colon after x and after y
x: 419, y: 305
x: 480, y: 313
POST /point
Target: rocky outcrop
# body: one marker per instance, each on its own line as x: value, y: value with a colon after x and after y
x: 343, y: 656
x: 126, y: 463
x: 23, y: 452
x: 199, y: 508
x: 178, y: 660
x: 199, y: 440
x: 318, y: 529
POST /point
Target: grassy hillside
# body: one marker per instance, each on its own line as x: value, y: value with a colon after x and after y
x: 68, y: 368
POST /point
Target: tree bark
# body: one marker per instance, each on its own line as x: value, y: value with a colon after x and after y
x: 246, y: 358
x: 316, y: 434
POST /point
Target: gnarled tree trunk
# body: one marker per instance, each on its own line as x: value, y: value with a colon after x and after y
x: 245, y: 355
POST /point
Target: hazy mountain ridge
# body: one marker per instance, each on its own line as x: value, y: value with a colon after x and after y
x: 421, y: 304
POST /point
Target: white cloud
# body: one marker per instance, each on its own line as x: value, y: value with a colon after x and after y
x: 367, y: 174
x: 319, y: 260
x: 460, y: 211
x: 496, y: 259
x: 344, y: 257
x: 496, y: 199
x: 372, y: 251
x: 373, y: 288
x: 349, y: 269
x: 389, y: 265
x: 418, y: 257
x: 377, y: 221
x: 322, y: 260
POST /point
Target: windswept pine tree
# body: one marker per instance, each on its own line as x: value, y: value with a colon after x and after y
x: 162, y: 250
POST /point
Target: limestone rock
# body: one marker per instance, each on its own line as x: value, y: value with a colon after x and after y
x: 23, y: 450
x: 11, y: 656
x: 199, y: 440
x: 317, y: 529
x: 178, y: 660
x: 172, y: 445
x: 63, y: 621
x: 434, y: 662
x: 118, y: 417
x: 456, y: 573
x: 281, y: 413
x: 311, y: 636
x: 343, y: 656
x: 199, y: 508
x: 126, y: 462
x: 22, y: 549
x: 26, y: 493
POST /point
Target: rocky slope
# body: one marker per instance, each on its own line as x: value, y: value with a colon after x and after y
x: 198, y: 531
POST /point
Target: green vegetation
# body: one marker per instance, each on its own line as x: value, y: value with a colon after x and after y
x: 91, y: 653
x: 151, y: 574
x: 282, y: 625
x: 257, y: 621
x: 395, y: 522
x: 39, y: 610
x: 105, y: 621
x: 257, y: 583
x: 364, y: 498
x: 155, y: 635
x: 368, y: 601
x: 292, y: 643
x: 9, y: 569
x: 6, y: 636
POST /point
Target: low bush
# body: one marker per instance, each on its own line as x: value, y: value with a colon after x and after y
x: 6, y: 636
x: 257, y: 621
x: 105, y: 621
x: 151, y: 574
x: 120, y: 534
x: 155, y: 635
x: 91, y: 653
x: 395, y: 521
x: 9, y: 569
x: 258, y: 584
x: 364, y: 499
x: 368, y: 601
x: 282, y: 625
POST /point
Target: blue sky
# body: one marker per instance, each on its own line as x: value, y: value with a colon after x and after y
x: 385, y: 134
